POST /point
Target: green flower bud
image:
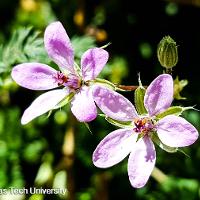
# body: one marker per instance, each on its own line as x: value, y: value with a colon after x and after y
x: 167, y: 52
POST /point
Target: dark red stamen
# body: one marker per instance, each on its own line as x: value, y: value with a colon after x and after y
x: 61, y: 78
x: 143, y: 125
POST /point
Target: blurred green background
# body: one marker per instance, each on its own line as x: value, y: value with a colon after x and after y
x: 56, y: 151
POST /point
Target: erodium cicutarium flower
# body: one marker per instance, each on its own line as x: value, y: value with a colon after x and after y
x: 136, y: 139
x: 38, y: 76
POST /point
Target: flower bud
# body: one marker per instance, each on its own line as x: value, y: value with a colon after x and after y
x: 167, y: 52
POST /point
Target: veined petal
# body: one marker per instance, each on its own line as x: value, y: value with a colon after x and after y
x: 83, y: 106
x: 141, y: 162
x: 175, y: 131
x: 159, y: 94
x: 43, y: 104
x: 92, y: 62
x: 58, y: 46
x: 114, y: 105
x: 114, y: 148
x: 35, y: 76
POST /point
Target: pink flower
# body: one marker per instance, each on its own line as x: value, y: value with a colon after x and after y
x: 173, y: 131
x: 37, y: 76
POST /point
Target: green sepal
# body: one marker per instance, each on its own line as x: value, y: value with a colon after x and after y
x: 49, y: 113
x: 163, y: 146
x: 104, y: 82
x: 139, y: 100
x: 88, y: 127
x: 107, y: 84
x: 117, y: 123
x: 173, y: 110
x: 179, y: 85
x: 141, y: 135
x: 77, y: 68
x: 181, y: 150
x: 106, y: 45
x: 65, y: 101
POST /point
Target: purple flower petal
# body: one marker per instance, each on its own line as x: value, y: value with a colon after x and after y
x: 141, y: 162
x: 35, y: 76
x: 114, y: 105
x: 58, y: 46
x: 92, y: 62
x: 83, y: 106
x: 43, y: 104
x: 114, y: 148
x: 159, y: 94
x: 176, y: 132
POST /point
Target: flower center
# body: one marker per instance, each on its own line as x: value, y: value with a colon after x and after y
x: 61, y: 78
x: 72, y: 81
x: 143, y: 125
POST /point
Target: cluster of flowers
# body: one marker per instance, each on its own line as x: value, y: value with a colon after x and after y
x: 154, y: 120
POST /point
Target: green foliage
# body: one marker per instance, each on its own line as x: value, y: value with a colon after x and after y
x: 60, y: 117
x: 81, y: 44
x: 38, y: 13
x: 115, y: 70
x: 25, y: 45
x: 9, y: 146
x: 171, y: 9
x: 145, y: 50
x: 181, y: 188
x: 194, y: 117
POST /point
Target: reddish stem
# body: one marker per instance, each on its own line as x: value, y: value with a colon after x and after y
x: 129, y: 87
